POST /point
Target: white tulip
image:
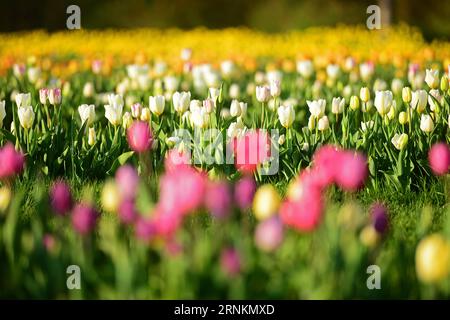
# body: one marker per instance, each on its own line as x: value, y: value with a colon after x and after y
x: 367, y: 125
x: 432, y: 78
x: 236, y: 129
x: 262, y: 93
x: 194, y: 105
x: 305, y: 68
x: 333, y: 71
x: 419, y: 100
x: 234, y: 91
x: 186, y: 54
x: 426, y: 123
x: 337, y: 105
x: 227, y: 67
x: 87, y: 113
x: 156, y: 104
x: 88, y: 90
x: 397, y: 86
x: 235, y: 108
x: 171, y: 83
x: 383, y: 101
x: 243, y: 106
x: 2, y: 112
x: 286, y: 115
x: 275, y: 88
x: 23, y: 99
x: 434, y: 93
x: 181, y: 101
x: 113, y: 110
x: 199, y: 118
x: 323, y: 123
x: 33, y: 74
x: 214, y: 93
x: 317, y: 107
x: 366, y: 70
x: 26, y: 116
x: 399, y: 141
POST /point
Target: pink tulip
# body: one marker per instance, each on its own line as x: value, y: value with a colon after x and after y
x: 60, y: 198
x: 49, y: 242
x: 175, y: 159
x: 144, y: 229
x: 11, y: 161
x: 84, y: 219
x: 218, y: 199
x: 139, y: 136
x: 182, y: 190
x: 352, y: 171
x: 439, y: 158
x: 269, y: 234
x: 244, y: 192
x: 127, y: 181
x: 251, y: 150
x: 230, y: 262
x: 127, y: 211
x: 326, y: 164
x: 304, y: 215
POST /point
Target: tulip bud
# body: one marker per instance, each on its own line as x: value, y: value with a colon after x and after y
x: 403, y: 117
x: 364, y: 94
x: 354, y: 103
x: 444, y: 83
x: 426, y: 123
x: 399, y: 141
x: 311, y: 123
x: 281, y: 139
x: 145, y: 115
x: 2, y: 112
x: 406, y: 95
x: 5, y: 198
x: 262, y: 93
x: 43, y: 95
x: 275, y: 88
x: 136, y: 109
x: 235, y: 108
x: 92, y: 137
x: 54, y: 96
x: 127, y: 120
x: 323, y: 123
x: 432, y: 78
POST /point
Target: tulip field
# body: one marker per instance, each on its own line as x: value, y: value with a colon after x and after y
x: 226, y: 164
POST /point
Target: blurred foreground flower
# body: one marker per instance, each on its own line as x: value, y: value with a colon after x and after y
x: 439, y: 158
x: 433, y: 259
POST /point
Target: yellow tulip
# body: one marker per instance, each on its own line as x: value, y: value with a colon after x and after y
x: 5, y: 198
x: 266, y: 202
x: 433, y: 259
x: 110, y: 196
